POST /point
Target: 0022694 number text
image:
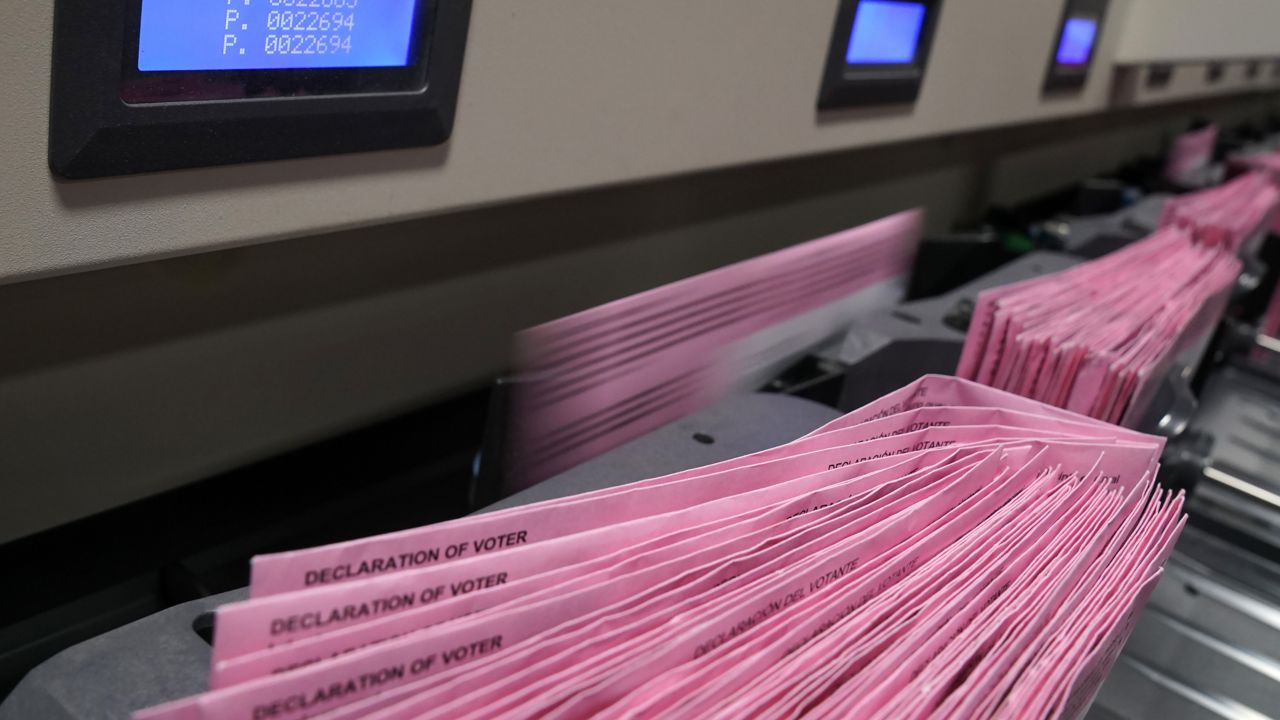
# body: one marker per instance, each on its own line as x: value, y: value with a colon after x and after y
x: 307, y: 44
x: 310, y: 20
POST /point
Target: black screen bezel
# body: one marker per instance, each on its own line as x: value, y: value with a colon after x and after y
x: 93, y: 132
x: 1063, y: 77
x: 141, y: 87
x: 845, y: 85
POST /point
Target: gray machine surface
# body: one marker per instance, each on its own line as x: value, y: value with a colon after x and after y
x: 162, y: 657
x: 1240, y: 411
x: 1095, y: 235
x: 1208, y: 645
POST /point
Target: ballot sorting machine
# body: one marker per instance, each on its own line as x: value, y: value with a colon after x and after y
x: 1207, y: 647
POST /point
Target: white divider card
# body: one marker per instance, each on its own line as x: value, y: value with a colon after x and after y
x: 950, y: 550
x: 1099, y: 338
x: 1191, y: 155
x: 591, y: 381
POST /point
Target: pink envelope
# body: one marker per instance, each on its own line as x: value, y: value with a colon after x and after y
x: 658, y: 653
x: 995, y: 640
x: 889, y: 673
x: 844, y: 662
x: 987, y: 688
x: 611, y: 360
x: 1149, y: 541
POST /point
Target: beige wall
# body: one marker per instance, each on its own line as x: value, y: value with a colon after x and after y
x: 1169, y: 30
x: 556, y: 95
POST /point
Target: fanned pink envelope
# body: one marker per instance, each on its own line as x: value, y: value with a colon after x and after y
x: 1232, y: 216
x: 894, y: 563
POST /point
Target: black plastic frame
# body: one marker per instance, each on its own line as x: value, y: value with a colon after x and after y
x: 1159, y: 75
x: 94, y: 132
x: 1063, y: 78
x: 845, y: 86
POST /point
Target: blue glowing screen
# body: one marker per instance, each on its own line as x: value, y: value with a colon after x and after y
x: 885, y: 32
x: 274, y: 34
x: 1076, y: 45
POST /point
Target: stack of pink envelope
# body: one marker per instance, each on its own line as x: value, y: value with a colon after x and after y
x: 949, y: 550
x: 1229, y: 216
x: 1265, y: 164
x: 1098, y: 338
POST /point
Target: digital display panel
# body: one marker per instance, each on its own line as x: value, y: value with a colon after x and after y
x: 885, y: 32
x: 210, y: 35
x: 1076, y: 44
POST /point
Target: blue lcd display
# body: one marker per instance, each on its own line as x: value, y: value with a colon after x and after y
x: 885, y: 32
x: 1076, y: 45
x: 193, y: 35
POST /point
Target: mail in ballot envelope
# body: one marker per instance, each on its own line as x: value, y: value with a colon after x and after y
x: 950, y: 550
x: 589, y: 382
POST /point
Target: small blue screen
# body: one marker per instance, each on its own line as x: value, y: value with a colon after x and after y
x: 1076, y: 45
x: 885, y: 32
x: 274, y: 34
